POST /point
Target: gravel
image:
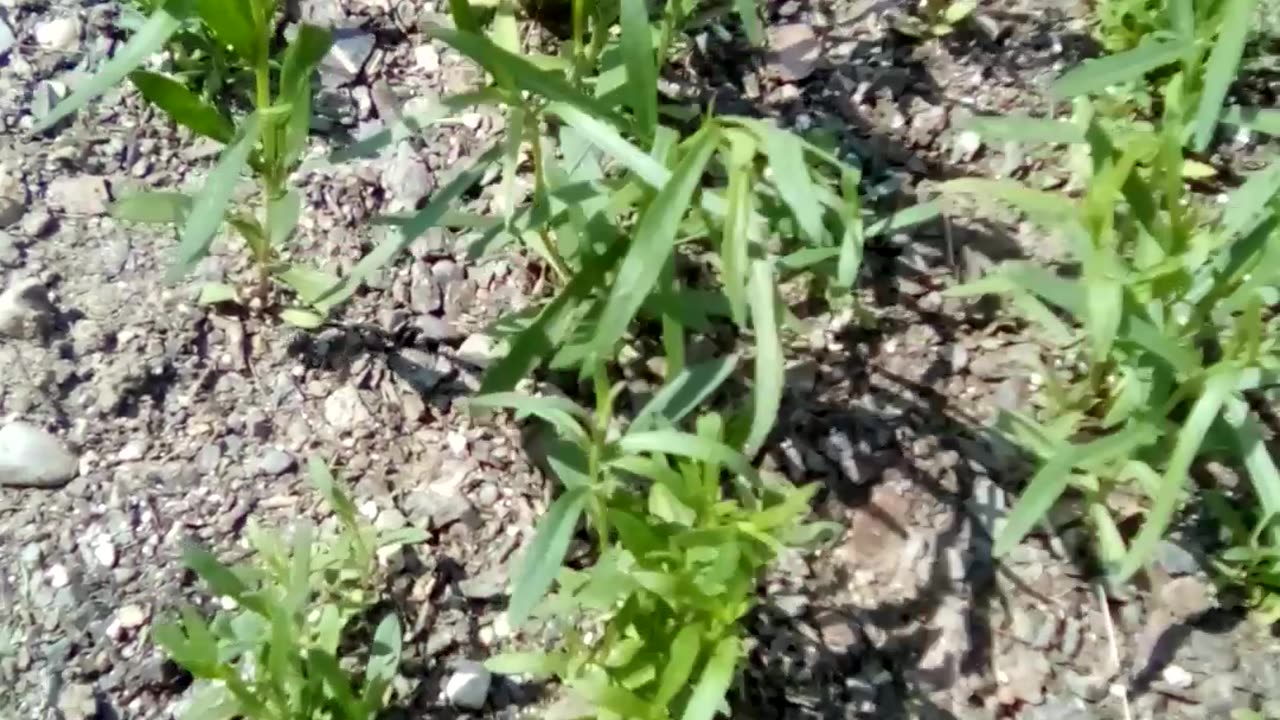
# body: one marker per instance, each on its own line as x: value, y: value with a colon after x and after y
x: 32, y: 457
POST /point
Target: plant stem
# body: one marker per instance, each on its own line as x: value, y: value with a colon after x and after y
x: 540, y: 192
x: 268, y: 179
x: 672, y: 17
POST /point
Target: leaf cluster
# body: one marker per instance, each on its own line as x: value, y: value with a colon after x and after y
x: 276, y: 655
x: 1166, y: 310
x: 685, y: 526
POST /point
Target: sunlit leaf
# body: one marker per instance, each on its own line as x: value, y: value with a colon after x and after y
x: 1220, y: 70
x: 183, y: 106
x: 542, y: 559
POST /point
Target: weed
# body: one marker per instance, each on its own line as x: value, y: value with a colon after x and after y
x: 653, y: 628
x: 275, y: 655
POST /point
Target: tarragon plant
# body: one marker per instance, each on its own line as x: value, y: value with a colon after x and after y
x: 275, y: 655
x: 685, y: 528
x: 268, y: 141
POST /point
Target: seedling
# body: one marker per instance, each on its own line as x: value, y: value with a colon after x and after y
x: 935, y: 18
x: 275, y: 656
x: 217, y: 37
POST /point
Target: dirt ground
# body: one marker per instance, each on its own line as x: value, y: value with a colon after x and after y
x: 183, y: 423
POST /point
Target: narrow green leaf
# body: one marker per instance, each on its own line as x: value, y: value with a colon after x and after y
x: 672, y: 442
x: 217, y: 576
x: 642, y: 76
x: 211, y: 203
x: 463, y: 17
x: 903, y: 219
x: 302, y: 318
x: 233, y: 23
x: 213, y: 293
x: 149, y: 40
x: 1217, y: 390
x: 681, y: 659
x: 309, y: 283
x: 542, y: 559
x: 736, y: 240
x: 505, y: 31
x: 1247, y: 203
x: 183, y: 106
x: 301, y: 58
x: 664, y: 505
x: 425, y: 219
x: 285, y: 211
x: 1263, y: 120
x: 751, y: 24
x: 713, y: 684
x: 513, y: 70
x: 535, y: 664
x: 651, y: 245
x: 168, y: 208
x: 558, y: 411
x: 1044, y: 489
x: 336, y: 681
x: 1047, y: 208
x: 1020, y: 128
x: 384, y: 655
x: 766, y: 391
x: 1220, y: 70
x: 1252, y: 447
x: 792, y: 179
x: 1097, y: 75
x: 299, y: 588
x: 685, y: 392
x: 851, y: 239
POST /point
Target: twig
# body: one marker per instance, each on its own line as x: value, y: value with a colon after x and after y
x: 1114, y: 648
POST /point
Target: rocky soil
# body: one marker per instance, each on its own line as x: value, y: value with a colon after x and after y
x: 131, y: 419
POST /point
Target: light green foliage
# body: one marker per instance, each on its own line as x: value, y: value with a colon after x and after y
x: 685, y: 528
x: 1165, y: 316
x: 276, y: 655
x: 1251, y: 560
x: 223, y: 51
x: 935, y: 18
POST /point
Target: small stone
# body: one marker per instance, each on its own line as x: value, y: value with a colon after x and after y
x: 133, y: 451
x: 487, y: 495
x: 457, y: 442
x: 45, y: 97
x: 406, y: 177
x: 1177, y: 676
x: 436, y: 509
x: 478, y: 350
x: 793, y: 606
x: 31, y: 457
x: 794, y: 52
x: 25, y: 310
x: 81, y: 195
x: 435, y: 328
x: 485, y: 586
x: 7, y: 38
x: 346, y: 58
x: 105, y: 552
x: 131, y: 616
x: 838, y: 633
x: 427, y: 57
x: 1186, y: 597
x: 468, y: 686
x: 77, y: 702
x: 1175, y: 559
x: 208, y: 457
x: 57, y: 576
x: 1089, y: 687
x: 345, y: 410
x: 275, y: 461
x: 58, y: 34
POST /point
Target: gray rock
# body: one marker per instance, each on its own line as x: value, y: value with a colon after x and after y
x: 1089, y: 687
x: 31, y: 457
x: 275, y: 462
x: 418, y: 368
x: 479, y: 350
x: 345, y: 410
x: 58, y: 34
x: 11, y: 211
x: 346, y: 58
x: 7, y: 38
x: 406, y: 177
x: 1186, y: 597
x: 81, y: 195
x: 436, y: 509
x: 1060, y: 708
x: 25, y: 310
x: 794, y: 51
x: 435, y: 328
x: 77, y: 701
x: 468, y: 686
x: 485, y: 586
x: 1175, y: 559
x: 46, y: 95
x: 208, y: 457
x: 10, y: 250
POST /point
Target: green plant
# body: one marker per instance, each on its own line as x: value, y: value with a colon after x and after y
x: 637, y: 226
x: 196, y: 58
x: 275, y: 656
x: 935, y: 18
x: 1165, y: 310
x: 684, y: 526
x: 1251, y: 560
x: 269, y: 141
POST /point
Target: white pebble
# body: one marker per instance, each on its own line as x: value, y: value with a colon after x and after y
x: 1178, y: 677
x: 57, y: 576
x: 104, y: 551
x: 58, y: 34
x: 468, y: 686
x: 131, y: 616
